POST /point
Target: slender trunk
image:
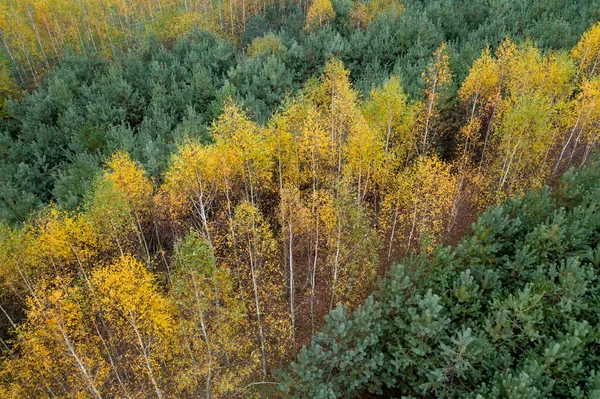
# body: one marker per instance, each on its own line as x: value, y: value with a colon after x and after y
x: 203, y: 214
x: 595, y: 64
x: 52, y: 40
x: 257, y: 304
x: 142, y: 237
x: 336, y: 262
x: 577, y: 139
x: 146, y: 358
x: 116, y: 235
x: 87, y: 377
x: 231, y: 16
x: 111, y: 361
x: 428, y: 117
x: 507, y: 168
x: 588, y: 149
x: 244, y: 14
x: 562, y: 152
x: 292, y: 293
x: 389, y: 133
x: 455, y: 202
x: 26, y: 54
x: 204, y: 335
x: 314, y: 210
x: 581, y: 64
x: 491, y: 121
x: 12, y: 58
x: 83, y: 49
x: 250, y: 183
x: 389, y: 255
x: 313, y: 280
x: 37, y: 35
x: 122, y: 28
x: 412, y: 229
x: 10, y: 320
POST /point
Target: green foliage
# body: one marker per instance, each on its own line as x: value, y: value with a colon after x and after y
x: 141, y: 103
x: 511, y: 311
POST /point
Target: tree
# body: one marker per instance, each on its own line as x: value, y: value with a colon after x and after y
x: 365, y: 12
x: 136, y: 318
x: 250, y: 157
x: 352, y: 248
x: 479, y: 94
x: 120, y: 203
x: 586, y: 53
x: 261, y: 282
x: 337, y: 101
x: 581, y: 117
x: 365, y: 160
x: 267, y: 44
x: 190, y: 185
x: 319, y: 13
x: 295, y: 230
x: 437, y: 78
x: 418, y: 207
x: 212, y: 331
x: 390, y: 113
x: 57, y: 353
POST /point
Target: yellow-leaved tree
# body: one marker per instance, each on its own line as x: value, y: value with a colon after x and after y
x: 438, y: 78
x: 120, y: 205
x: 136, y: 324
x: 418, y: 207
x: 319, y: 13
x: 58, y: 355
x: 587, y: 52
x: 253, y: 257
x: 213, y: 335
x: 392, y: 115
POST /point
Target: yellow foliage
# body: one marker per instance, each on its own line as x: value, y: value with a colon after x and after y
x: 363, y: 12
x: 120, y: 203
x: 35, y: 32
x: 389, y: 112
x: 319, y: 13
x: 129, y: 179
x: 518, y: 105
x: 587, y: 51
x: 241, y: 143
x: 261, y: 282
x: 136, y: 316
x: 267, y: 44
x: 56, y: 352
x: 278, y: 222
x: 419, y: 206
x: 366, y: 158
x: 64, y: 239
x: 438, y: 77
x: 128, y: 296
x: 482, y: 84
x: 212, y: 322
x: 525, y: 134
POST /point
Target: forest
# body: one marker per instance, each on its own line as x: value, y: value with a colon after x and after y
x: 326, y: 199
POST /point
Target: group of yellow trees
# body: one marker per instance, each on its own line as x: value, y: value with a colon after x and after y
x: 36, y: 33
x: 201, y: 285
